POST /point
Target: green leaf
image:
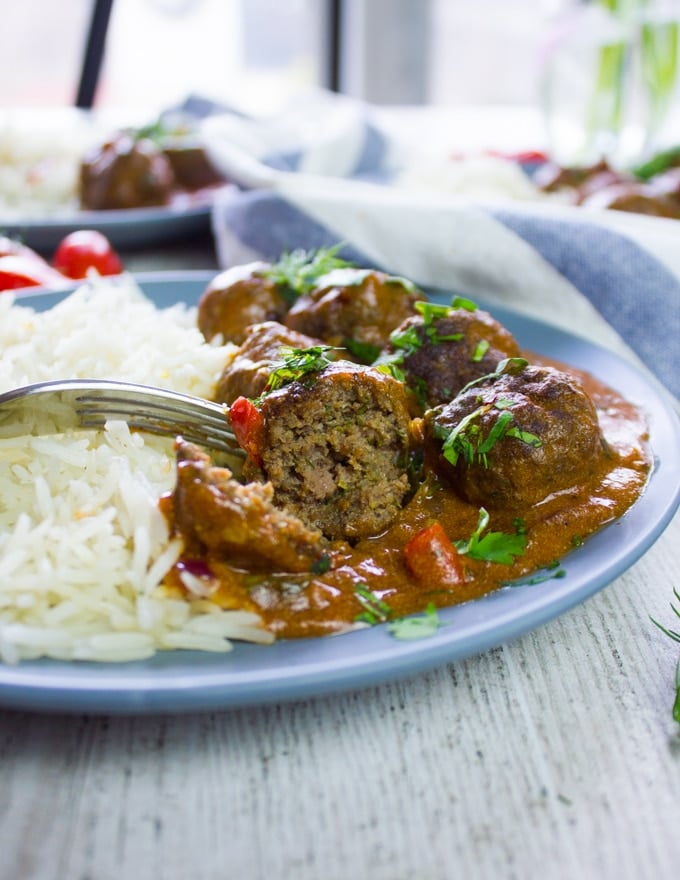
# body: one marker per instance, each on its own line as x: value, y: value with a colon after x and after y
x: 493, y: 546
x: 375, y: 609
x: 295, y: 363
x: 418, y: 626
x: 297, y: 272
x: 366, y: 352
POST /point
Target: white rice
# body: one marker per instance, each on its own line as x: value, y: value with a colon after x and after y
x: 39, y: 167
x: 479, y: 177
x: 83, y: 545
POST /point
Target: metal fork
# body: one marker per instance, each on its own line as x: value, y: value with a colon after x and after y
x: 73, y: 404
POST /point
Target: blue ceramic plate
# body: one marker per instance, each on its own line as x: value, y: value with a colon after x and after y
x: 183, y: 681
x: 129, y: 228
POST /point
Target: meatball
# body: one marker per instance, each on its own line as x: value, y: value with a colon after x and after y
x: 638, y: 198
x: 237, y: 298
x: 354, y: 308
x: 512, y: 440
x: 239, y: 522
x: 246, y: 375
x: 552, y: 177
x: 442, y: 349
x: 190, y: 164
x: 125, y: 173
x: 335, y: 444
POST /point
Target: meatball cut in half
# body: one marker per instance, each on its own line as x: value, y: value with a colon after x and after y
x: 513, y: 439
x: 237, y: 298
x: 335, y: 445
x: 443, y: 348
x: 238, y: 522
x: 354, y: 308
x: 247, y: 374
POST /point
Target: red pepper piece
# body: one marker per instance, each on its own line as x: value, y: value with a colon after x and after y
x: 247, y: 423
x: 432, y: 558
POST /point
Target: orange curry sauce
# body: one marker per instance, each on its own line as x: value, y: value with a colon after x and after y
x: 295, y: 606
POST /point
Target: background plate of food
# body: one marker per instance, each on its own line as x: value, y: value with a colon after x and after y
x: 70, y: 169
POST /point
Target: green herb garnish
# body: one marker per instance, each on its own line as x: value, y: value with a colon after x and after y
x: 297, y: 272
x: 322, y: 564
x: 672, y: 634
x: 467, y: 441
x: 366, y: 352
x: 480, y: 350
x: 494, y: 546
x: 461, y: 302
x: 416, y: 626
x: 553, y: 571
x: 375, y: 610
x: 295, y: 363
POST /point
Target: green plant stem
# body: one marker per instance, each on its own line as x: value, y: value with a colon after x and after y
x: 659, y: 62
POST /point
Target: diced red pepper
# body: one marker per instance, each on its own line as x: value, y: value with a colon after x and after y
x: 433, y: 559
x: 247, y: 423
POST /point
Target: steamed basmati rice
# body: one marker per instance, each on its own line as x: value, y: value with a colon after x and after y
x: 83, y: 545
x: 40, y: 165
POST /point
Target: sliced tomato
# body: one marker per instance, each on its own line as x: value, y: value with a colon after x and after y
x: 83, y: 250
x: 247, y: 423
x: 433, y: 559
x: 18, y: 271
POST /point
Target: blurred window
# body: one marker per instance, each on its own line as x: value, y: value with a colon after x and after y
x: 257, y: 54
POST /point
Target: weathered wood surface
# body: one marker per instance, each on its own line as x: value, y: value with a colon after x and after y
x: 554, y: 756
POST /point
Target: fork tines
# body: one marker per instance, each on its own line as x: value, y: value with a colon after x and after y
x: 197, y: 421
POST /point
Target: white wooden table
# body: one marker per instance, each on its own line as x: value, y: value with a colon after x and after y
x: 554, y: 756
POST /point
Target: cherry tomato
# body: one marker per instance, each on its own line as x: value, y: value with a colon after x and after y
x: 83, y: 250
x: 17, y: 270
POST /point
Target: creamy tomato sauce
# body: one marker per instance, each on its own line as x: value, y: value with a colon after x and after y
x: 296, y: 606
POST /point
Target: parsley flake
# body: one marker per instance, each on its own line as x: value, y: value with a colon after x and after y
x: 296, y: 273
x: 375, y: 609
x: 416, y: 626
x: 493, y: 546
x: 294, y: 363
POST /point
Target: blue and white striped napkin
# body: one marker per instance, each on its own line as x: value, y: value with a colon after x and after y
x: 607, y: 276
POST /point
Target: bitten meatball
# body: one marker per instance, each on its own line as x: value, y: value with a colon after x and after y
x: 335, y: 445
x: 442, y: 349
x: 237, y: 298
x: 511, y: 441
x: 239, y: 522
x: 354, y: 308
x: 125, y: 173
x: 246, y: 375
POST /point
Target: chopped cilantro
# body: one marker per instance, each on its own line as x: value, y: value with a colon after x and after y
x: 493, y: 546
x: 462, y: 302
x: 673, y: 634
x: 416, y: 626
x: 322, y: 564
x: 297, y: 272
x: 366, y: 352
x: 295, y: 363
x: 375, y: 610
x: 467, y: 441
x: 480, y: 350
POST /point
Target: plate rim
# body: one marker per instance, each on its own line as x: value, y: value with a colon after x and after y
x: 199, y: 682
